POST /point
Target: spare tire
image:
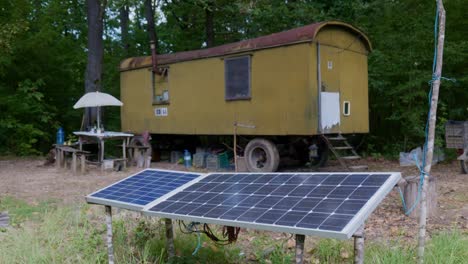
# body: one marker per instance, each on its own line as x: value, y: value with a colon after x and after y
x: 261, y: 155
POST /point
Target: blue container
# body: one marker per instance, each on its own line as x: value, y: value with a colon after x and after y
x: 60, y: 136
x: 187, y: 159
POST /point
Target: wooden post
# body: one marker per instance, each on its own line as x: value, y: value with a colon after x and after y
x: 359, y: 245
x: 300, y: 240
x: 74, y: 163
x: 83, y: 163
x: 101, y: 154
x: 431, y: 131
x: 110, y: 247
x: 58, y: 161
x: 169, y: 238
x: 124, y: 153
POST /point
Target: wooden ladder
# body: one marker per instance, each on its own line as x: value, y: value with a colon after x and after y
x: 343, y: 152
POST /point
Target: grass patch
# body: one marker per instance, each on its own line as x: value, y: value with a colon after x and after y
x: 76, y: 235
x: 21, y: 211
x: 445, y: 247
x: 62, y: 236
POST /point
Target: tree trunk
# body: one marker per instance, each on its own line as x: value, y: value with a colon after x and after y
x: 437, y: 73
x: 149, y: 13
x: 124, y: 18
x: 209, y: 24
x: 93, y: 74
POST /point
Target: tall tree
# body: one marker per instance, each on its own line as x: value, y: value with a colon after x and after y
x: 149, y: 13
x: 124, y: 19
x: 93, y: 74
x: 209, y: 24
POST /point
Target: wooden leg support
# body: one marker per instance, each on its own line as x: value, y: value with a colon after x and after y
x: 83, y: 163
x: 110, y: 247
x: 169, y: 238
x: 300, y: 239
x: 359, y: 245
x: 74, y: 163
x: 58, y: 161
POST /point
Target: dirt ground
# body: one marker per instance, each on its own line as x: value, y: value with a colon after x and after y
x: 29, y: 180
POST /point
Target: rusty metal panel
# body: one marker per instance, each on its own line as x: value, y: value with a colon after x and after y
x: 306, y: 33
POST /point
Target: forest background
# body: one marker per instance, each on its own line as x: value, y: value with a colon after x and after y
x: 43, y: 57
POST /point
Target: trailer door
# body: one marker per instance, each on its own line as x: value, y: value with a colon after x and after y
x: 328, y: 69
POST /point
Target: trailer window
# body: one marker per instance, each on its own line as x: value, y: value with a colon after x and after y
x: 237, y: 78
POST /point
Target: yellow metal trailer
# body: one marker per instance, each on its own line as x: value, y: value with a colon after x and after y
x: 302, y: 82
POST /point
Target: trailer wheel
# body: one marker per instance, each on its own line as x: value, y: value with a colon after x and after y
x: 322, y: 153
x: 261, y: 155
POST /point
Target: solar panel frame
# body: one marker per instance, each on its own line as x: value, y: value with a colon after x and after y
x: 136, y: 207
x: 357, y: 220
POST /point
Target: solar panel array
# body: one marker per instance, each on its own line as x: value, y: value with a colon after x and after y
x: 333, y: 205
x: 138, y: 190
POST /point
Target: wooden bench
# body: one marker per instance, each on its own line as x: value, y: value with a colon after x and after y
x: 61, y: 153
x: 143, y: 152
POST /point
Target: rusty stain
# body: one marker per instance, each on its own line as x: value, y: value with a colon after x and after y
x: 300, y: 34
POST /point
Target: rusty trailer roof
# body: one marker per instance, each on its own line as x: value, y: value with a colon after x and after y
x: 289, y: 37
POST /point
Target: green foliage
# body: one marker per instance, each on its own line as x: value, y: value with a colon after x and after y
x: 43, y: 55
x: 26, y: 119
x: 448, y: 247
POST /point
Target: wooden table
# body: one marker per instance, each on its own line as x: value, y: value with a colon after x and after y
x: 101, y: 138
x: 61, y: 152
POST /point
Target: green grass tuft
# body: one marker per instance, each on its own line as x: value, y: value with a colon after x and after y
x: 21, y: 211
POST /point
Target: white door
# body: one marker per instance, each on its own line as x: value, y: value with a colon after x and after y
x: 329, y: 111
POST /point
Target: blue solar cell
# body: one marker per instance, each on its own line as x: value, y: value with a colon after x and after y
x: 270, y: 216
x: 142, y: 188
x: 266, y: 189
x: 251, y: 214
x: 350, y: 206
x: 234, y: 213
x: 268, y: 202
x: 290, y: 218
x: 302, y: 191
x: 327, y: 206
x: 321, y: 191
x: 306, y: 205
x: 315, y: 179
x: 376, y: 180
x: 335, y: 222
x: 363, y: 193
x: 217, y: 211
x: 286, y: 203
x: 312, y: 220
x: 251, y: 200
x: 341, y: 192
x: 334, y: 179
x: 283, y: 190
x: 186, y: 208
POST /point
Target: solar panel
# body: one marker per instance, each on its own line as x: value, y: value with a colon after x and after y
x: 138, y: 190
x: 323, y: 204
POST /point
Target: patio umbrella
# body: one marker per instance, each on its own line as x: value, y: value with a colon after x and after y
x: 97, y: 99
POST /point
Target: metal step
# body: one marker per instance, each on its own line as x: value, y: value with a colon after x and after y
x: 350, y: 157
x: 343, y: 148
x: 359, y: 167
x: 336, y: 138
